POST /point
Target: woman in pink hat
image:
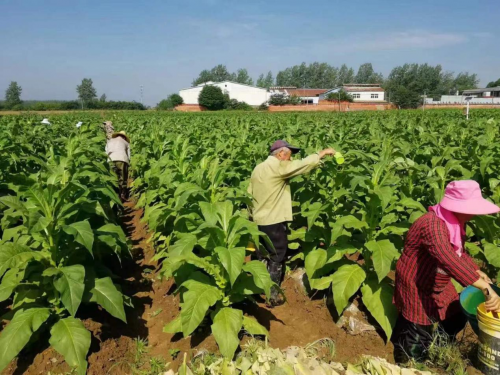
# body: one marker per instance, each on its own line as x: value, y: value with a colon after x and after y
x: 432, y: 256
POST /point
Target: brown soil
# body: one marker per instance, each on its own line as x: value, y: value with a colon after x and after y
x: 300, y: 321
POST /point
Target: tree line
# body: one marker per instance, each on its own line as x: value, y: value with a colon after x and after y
x: 405, y: 85
x: 87, y: 99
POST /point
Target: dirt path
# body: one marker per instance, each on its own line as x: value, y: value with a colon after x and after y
x: 114, y: 347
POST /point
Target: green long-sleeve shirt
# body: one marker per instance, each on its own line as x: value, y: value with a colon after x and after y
x: 270, y: 188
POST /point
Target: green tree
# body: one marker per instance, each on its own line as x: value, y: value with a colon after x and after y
x: 265, y: 81
x: 86, y: 91
x: 243, y: 77
x: 342, y: 95
x: 205, y: 76
x: 465, y: 81
x: 366, y: 74
x: 411, y: 81
x: 13, y: 95
x: 102, y: 99
x: 269, y: 81
x: 494, y: 83
x: 176, y: 99
x: 212, y: 98
x: 345, y: 75
x: 261, y: 81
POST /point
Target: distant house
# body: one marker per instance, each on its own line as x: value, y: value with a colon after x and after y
x: 360, y: 92
x: 243, y: 93
x: 488, y: 95
x: 307, y: 96
x: 488, y: 92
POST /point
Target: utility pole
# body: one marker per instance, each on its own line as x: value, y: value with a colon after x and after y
x: 142, y: 101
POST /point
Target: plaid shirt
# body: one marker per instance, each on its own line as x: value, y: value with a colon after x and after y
x: 424, y: 291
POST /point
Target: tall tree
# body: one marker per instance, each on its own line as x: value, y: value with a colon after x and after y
x: 494, y: 83
x: 13, y: 95
x: 86, y: 91
x: 261, y: 81
x: 102, y: 98
x: 269, y: 80
x: 366, y: 74
x: 243, y: 77
x: 345, y: 75
x: 205, y: 76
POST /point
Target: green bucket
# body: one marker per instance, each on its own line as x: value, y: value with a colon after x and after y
x: 470, y: 299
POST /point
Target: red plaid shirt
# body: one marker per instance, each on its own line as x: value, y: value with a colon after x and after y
x: 424, y: 290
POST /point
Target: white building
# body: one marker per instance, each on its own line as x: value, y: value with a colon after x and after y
x: 307, y: 96
x: 490, y: 95
x: 243, y: 93
x: 360, y: 92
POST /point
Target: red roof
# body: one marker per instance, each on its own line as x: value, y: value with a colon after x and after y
x: 363, y: 89
x: 305, y: 92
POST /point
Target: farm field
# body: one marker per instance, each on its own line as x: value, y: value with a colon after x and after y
x: 85, y: 279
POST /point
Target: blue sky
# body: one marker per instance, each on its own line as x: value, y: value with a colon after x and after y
x: 49, y: 46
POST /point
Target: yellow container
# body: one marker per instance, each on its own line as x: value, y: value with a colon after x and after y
x: 488, y: 352
x: 250, y: 247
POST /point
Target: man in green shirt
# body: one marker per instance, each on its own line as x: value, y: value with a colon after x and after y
x: 272, y: 201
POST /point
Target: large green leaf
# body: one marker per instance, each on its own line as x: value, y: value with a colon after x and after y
x: 18, y: 332
x: 377, y: 297
x: 260, y: 275
x: 175, y: 326
x: 227, y: 324
x: 110, y: 298
x: 70, y: 284
x: 196, y: 301
x: 253, y: 327
x: 345, y: 282
x: 224, y: 214
x: 492, y: 254
x: 14, y: 255
x: 10, y: 281
x: 72, y: 340
x: 312, y: 213
x: 314, y: 261
x: 209, y: 211
x: 82, y: 231
x: 383, y: 254
x: 232, y: 260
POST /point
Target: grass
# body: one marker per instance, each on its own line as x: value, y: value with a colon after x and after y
x: 140, y: 365
x: 445, y: 355
x: 324, y: 349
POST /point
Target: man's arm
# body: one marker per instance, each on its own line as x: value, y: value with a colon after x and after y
x: 289, y: 169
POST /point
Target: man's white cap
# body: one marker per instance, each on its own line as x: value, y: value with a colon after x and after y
x: 79, y: 124
x: 46, y: 121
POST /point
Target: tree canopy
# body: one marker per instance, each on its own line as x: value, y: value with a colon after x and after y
x: 494, y: 83
x: 366, y: 74
x: 86, y: 91
x: 212, y: 98
x: 13, y: 95
x: 407, y: 84
x: 220, y: 73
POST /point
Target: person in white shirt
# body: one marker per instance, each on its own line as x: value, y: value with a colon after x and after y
x: 118, y: 151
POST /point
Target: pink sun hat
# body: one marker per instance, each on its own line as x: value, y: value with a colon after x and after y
x: 464, y: 197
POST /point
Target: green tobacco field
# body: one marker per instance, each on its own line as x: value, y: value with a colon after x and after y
x: 68, y: 246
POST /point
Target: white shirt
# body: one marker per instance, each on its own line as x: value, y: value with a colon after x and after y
x: 118, y: 149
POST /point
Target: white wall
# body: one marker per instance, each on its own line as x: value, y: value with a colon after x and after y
x: 366, y: 96
x: 248, y: 94
x: 460, y: 99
